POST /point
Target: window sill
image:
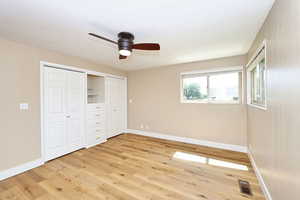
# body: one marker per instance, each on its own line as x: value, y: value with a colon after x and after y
x: 210, y: 103
x: 257, y: 106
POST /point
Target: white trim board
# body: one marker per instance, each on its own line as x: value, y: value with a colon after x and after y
x: 67, y: 67
x: 213, y: 70
x: 261, y: 181
x: 20, y: 169
x: 230, y: 147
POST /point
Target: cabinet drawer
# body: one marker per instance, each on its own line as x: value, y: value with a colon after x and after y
x: 96, y: 131
x: 94, y: 107
x: 95, y: 123
x: 95, y: 115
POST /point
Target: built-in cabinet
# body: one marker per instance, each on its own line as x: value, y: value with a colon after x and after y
x: 80, y: 109
x: 95, y: 89
x: 96, y: 124
x: 96, y: 110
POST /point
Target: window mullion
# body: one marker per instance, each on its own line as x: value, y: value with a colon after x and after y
x: 208, y: 90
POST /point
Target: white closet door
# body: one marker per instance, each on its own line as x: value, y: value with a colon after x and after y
x: 75, y: 115
x: 63, y: 111
x: 116, y: 90
x: 121, y: 103
x: 55, y: 98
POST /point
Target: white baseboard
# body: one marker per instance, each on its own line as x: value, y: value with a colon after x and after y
x: 259, y: 177
x: 231, y: 147
x: 20, y: 169
x: 92, y: 145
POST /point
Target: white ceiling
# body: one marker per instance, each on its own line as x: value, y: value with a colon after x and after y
x: 187, y: 30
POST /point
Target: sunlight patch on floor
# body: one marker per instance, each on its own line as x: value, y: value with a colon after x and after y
x: 209, y: 161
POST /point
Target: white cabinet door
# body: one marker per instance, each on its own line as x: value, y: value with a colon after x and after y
x: 116, y: 94
x: 63, y: 111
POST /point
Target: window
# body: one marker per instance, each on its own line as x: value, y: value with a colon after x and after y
x: 211, y: 87
x: 257, y: 79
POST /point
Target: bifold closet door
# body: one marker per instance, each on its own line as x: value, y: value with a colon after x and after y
x: 116, y: 104
x: 63, y: 112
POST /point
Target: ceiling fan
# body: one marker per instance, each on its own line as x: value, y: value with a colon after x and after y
x: 125, y: 44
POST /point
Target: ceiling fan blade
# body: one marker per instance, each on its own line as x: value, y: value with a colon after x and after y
x: 103, y: 38
x: 147, y: 46
x: 122, y: 57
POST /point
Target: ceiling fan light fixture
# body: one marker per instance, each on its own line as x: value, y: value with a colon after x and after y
x: 124, y: 52
x: 125, y: 44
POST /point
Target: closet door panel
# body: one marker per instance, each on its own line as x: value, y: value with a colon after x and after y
x: 63, y: 111
x: 75, y: 103
x: 108, y: 107
x: 116, y: 109
x: 122, y: 105
x: 55, y: 94
x: 115, y: 106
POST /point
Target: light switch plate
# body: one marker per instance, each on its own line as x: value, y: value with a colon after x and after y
x: 24, y: 106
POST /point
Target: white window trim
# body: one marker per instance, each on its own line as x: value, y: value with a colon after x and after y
x: 214, y: 70
x: 249, y: 69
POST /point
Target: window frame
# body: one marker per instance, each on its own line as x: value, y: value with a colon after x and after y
x: 250, y: 67
x: 209, y: 72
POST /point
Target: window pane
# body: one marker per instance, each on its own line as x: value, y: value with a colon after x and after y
x: 262, y: 81
x: 224, y: 87
x: 195, y: 89
x: 258, y: 83
x: 255, y: 75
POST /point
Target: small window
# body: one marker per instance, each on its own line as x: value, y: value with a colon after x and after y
x: 211, y: 87
x: 257, y: 80
x: 195, y: 88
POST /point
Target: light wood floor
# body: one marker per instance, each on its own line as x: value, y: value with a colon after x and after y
x: 134, y: 167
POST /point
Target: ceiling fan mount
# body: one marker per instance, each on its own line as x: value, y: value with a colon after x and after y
x: 125, y: 44
x: 126, y: 35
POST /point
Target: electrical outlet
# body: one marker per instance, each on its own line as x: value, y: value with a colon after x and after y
x: 24, y: 106
x: 147, y: 127
x: 142, y: 126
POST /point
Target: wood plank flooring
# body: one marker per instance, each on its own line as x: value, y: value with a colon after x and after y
x: 132, y: 167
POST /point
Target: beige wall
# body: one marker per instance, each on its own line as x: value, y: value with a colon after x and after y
x: 19, y: 82
x: 155, y: 95
x: 274, y: 135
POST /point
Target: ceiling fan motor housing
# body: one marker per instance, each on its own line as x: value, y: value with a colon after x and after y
x: 125, y: 41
